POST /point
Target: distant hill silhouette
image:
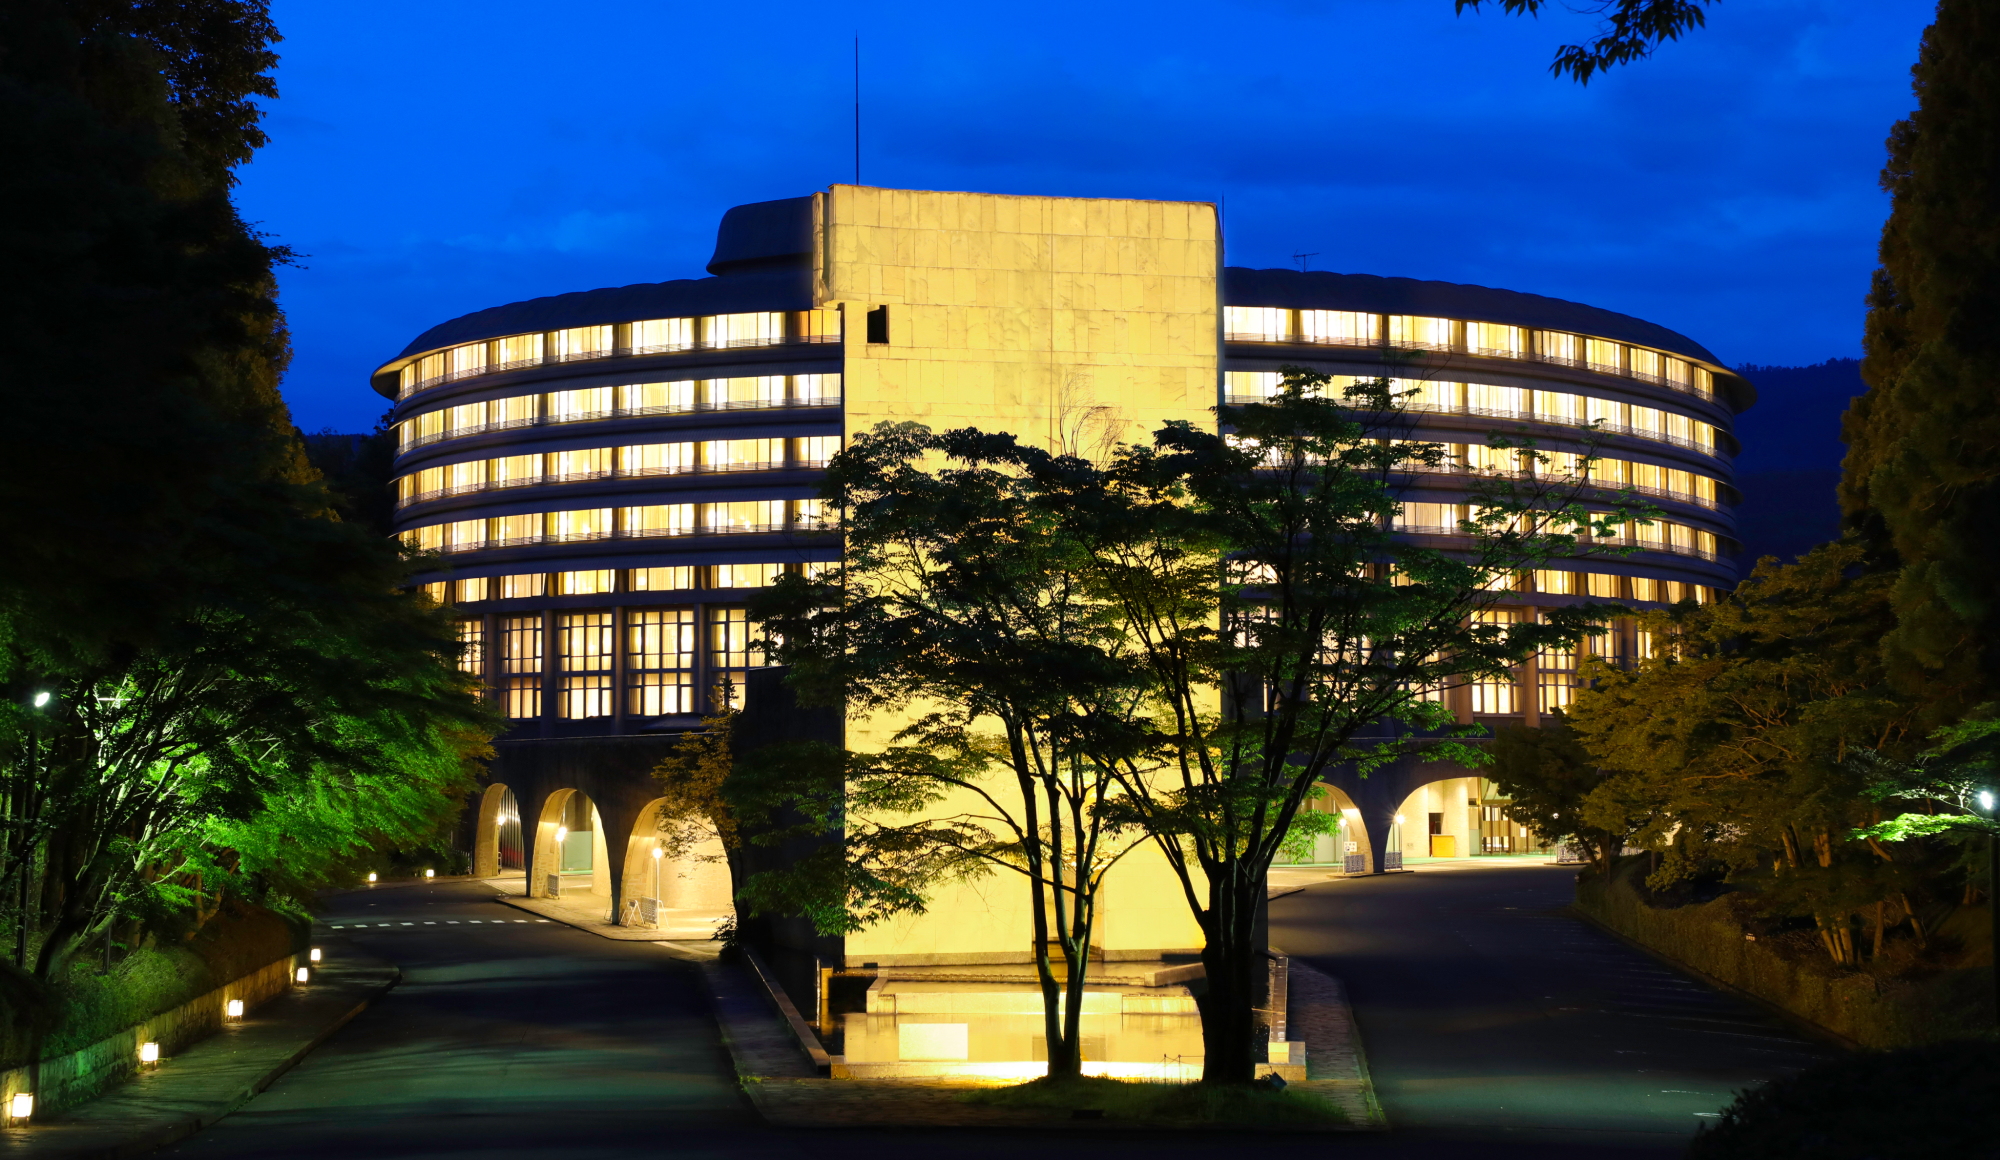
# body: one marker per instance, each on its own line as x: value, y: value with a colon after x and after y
x: 1791, y: 457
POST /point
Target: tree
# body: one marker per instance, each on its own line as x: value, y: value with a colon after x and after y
x: 995, y: 694
x: 1547, y: 774
x: 214, y: 684
x: 1737, y: 738
x: 1922, y: 473
x: 1333, y: 623
x: 1632, y: 30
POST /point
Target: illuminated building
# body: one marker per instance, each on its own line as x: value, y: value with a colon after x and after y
x: 605, y: 474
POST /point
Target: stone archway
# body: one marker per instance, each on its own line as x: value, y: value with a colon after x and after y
x: 1438, y: 819
x: 497, y: 842
x: 563, y: 853
x: 693, y: 889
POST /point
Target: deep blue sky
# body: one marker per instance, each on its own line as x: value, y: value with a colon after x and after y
x: 433, y: 158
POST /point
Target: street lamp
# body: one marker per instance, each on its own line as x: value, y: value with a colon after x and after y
x: 41, y: 702
x: 658, y: 854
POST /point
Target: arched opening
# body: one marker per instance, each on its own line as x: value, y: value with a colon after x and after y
x: 570, y: 855
x: 1439, y: 820
x: 1345, y: 847
x: 688, y: 891
x: 498, y: 847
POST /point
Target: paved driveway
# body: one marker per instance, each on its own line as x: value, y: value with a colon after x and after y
x: 1491, y: 1017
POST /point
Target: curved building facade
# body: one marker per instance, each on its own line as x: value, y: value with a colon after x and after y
x: 604, y: 475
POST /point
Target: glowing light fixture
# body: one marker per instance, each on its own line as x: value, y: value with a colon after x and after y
x: 23, y: 1104
x: 149, y: 1054
x: 1985, y: 799
x: 41, y: 699
x: 658, y: 853
x: 371, y: 876
x: 233, y: 1009
x: 313, y: 954
x: 305, y: 974
x: 430, y: 874
x: 562, y: 832
x: 1399, y: 819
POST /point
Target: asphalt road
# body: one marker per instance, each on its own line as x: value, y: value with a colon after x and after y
x: 1492, y: 1017
x: 533, y: 1039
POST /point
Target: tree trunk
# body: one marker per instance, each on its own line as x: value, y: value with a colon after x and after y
x: 1233, y: 960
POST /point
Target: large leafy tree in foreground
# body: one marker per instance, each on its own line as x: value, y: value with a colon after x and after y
x: 212, y: 683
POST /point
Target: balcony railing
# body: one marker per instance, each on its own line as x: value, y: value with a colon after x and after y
x: 616, y: 473
x: 1642, y: 545
x: 608, y: 352
x: 1688, y: 388
x: 1599, y: 486
x: 613, y: 413
x: 1534, y: 417
x: 638, y: 534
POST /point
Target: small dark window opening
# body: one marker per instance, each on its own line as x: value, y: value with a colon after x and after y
x: 878, y: 324
x: 1437, y: 823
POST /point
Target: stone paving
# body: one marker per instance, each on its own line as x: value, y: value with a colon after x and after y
x: 200, y: 1085
x: 587, y: 911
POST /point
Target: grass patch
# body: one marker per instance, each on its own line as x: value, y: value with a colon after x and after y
x: 1164, y: 1103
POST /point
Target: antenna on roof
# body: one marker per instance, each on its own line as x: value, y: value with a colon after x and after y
x: 1301, y: 259
x: 857, y: 109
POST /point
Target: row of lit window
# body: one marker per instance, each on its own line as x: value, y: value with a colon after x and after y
x: 1444, y: 398
x: 632, y: 399
x: 1492, y: 339
x: 1557, y: 669
x: 651, y: 336
x: 1545, y: 581
x: 604, y: 581
x: 636, y: 460
x: 669, y: 519
x: 658, y: 660
x: 1650, y: 478
x: 1658, y: 535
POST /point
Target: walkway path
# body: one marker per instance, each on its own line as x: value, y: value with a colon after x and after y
x: 1489, y: 1014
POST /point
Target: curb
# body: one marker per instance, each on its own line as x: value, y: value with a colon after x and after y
x: 179, y: 1130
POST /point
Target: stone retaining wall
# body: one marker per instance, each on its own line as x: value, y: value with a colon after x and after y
x: 66, y: 1080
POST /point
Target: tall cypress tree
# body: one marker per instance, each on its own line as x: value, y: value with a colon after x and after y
x: 1921, y: 481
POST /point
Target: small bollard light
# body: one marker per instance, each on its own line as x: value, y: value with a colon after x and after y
x: 149, y: 1054
x: 305, y: 973
x: 314, y: 954
x: 371, y: 876
x: 430, y: 874
x: 21, y: 1107
x: 233, y: 1009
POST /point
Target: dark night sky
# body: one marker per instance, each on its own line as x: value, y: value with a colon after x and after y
x: 434, y: 158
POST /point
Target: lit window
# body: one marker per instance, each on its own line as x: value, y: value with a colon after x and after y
x: 517, y: 411
x: 515, y: 470
x: 519, y: 350
x: 742, y: 454
x: 1489, y: 694
x: 1556, y: 582
x: 1342, y: 326
x: 430, y: 369
x: 1558, y: 347
x: 521, y: 666
x: 523, y: 585
x: 1430, y: 517
x: 1612, y: 472
x: 732, y: 649
x: 659, y: 579
x: 1676, y: 371
x: 521, y: 529
x: 1487, y: 399
x: 438, y: 593
x: 1704, y: 436
x: 1646, y: 363
x: 759, y: 329
x: 1645, y: 588
x: 1249, y: 385
x: 1605, y: 586
x: 587, y: 583
x: 761, y: 391
x: 659, y: 660
x: 1424, y: 395
x: 584, y: 650
x: 816, y: 450
x: 587, y: 524
x: 657, y: 458
x: 468, y: 360
x: 586, y: 463
x: 1556, y: 681
x: 817, y: 325
x: 816, y: 388
x: 662, y: 334
x: 583, y: 342
x: 767, y: 515
x: 1257, y: 323
x: 744, y: 575
x: 1603, y: 356
x: 463, y: 535
x: 1491, y: 338
x: 473, y: 590
x: 1609, y: 411
x: 644, y: 398
x: 1408, y: 330
x: 809, y: 514
x: 570, y: 406
x: 472, y: 646
x: 665, y: 519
